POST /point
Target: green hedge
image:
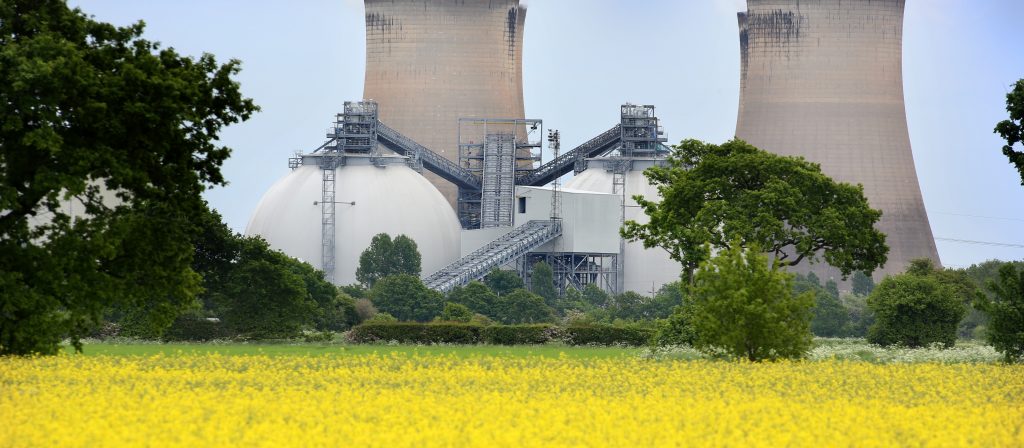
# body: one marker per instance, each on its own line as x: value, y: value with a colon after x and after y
x: 416, y: 333
x: 607, y: 335
x: 188, y: 328
x: 519, y: 334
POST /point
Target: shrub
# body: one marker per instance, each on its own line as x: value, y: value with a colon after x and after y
x: 194, y: 328
x: 914, y: 311
x: 417, y: 333
x: 744, y: 309
x: 381, y: 318
x: 677, y: 329
x: 454, y: 312
x: 405, y: 297
x: 365, y: 309
x: 607, y: 335
x: 1005, y: 330
x: 522, y: 307
x: 476, y: 296
x: 517, y: 334
x: 338, y: 314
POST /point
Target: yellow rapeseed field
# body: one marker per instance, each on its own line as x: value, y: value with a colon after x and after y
x: 410, y: 400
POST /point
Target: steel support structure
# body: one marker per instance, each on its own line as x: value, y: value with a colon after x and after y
x: 574, y: 270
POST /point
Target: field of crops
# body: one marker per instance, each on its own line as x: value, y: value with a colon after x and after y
x: 406, y: 399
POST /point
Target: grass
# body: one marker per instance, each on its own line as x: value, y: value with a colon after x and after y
x: 314, y: 349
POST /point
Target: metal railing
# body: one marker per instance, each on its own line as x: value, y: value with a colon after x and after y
x: 431, y: 160
x: 565, y: 162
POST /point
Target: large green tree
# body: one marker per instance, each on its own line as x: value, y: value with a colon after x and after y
x: 387, y: 257
x: 719, y: 194
x: 914, y: 310
x: 405, y: 297
x: 522, y: 307
x: 1012, y: 130
x: 542, y: 283
x: 96, y: 118
x: 742, y: 308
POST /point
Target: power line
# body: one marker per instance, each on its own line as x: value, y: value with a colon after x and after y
x: 982, y: 243
x: 979, y: 216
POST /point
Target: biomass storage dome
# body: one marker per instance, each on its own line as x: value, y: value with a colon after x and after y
x: 391, y: 198
x: 646, y: 270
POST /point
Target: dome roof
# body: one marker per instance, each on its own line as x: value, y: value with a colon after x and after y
x: 646, y: 270
x: 392, y: 199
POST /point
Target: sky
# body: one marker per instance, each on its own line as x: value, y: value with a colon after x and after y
x: 302, y: 59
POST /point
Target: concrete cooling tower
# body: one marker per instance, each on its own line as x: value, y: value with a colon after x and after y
x: 823, y: 79
x: 646, y: 270
x: 431, y: 62
x: 372, y: 199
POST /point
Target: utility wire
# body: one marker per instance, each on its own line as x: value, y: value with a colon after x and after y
x: 978, y: 216
x: 983, y: 243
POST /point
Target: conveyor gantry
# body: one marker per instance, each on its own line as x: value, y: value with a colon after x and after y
x: 517, y: 243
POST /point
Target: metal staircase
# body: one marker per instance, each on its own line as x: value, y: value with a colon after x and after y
x: 431, y: 160
x: 603, y: 143
x: 509, y: 247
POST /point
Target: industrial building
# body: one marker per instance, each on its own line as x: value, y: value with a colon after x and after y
x: 823, y: 79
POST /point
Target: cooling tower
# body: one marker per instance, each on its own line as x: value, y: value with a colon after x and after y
x: 431, y: 62
x: 390, y: 199
x: 823, y: 79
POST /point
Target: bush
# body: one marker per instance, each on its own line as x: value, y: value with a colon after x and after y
x: 476, y: 296
x: 338, y: 314
x: 518, y: 334
x: 914, y: 311
x: 522, y: 307
x: 405, y: 297
x: 675, y: 330
x: 454, y: 312
x: 380, y: 318
x: 744, y: 309
x: 1005, y: 330
x: 417, y: 333
x: 607, y: 335
x: 365, y: 309
x: 193, y: 328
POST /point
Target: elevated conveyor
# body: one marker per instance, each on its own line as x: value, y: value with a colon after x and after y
x: 520, y: 241
x: 431, y: 160
x: 603, y: 143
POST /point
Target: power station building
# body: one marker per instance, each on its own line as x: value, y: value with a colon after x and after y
x: 823, y: 79
x: 431, y: 62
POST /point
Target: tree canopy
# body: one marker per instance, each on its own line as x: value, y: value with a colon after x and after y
x: 1006, y: 310
x: 387, y: 257
x: 1012, y: 130
x: 718, y: 194
x: 95, y: 118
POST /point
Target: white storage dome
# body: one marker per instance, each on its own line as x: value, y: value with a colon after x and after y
x: 392, y: 199
x: 646, y: 270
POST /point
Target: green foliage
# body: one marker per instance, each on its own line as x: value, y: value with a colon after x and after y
x: 518, y: 334
x: 503, y: 282
x: 1012, y: 130
x: 405, y: 297
x: 607, y: 335
x: 542, y: 283
x: 416, y: 333
x: 742, y: 308
x: 454, y: 312
x: 628, y: 306
x: 192, y: 327
x: 736, y: 193
x: 386, y: 257
x: 665, y: 301
x: 595, y: 297
x: 96, y: 117
x: 1005, y: 330
x: 355, y: 290
x: 963, y: 286
x: 830, y: 316
x: 862, y: 284
x: 476, y: 296
x: 860, y: 317
x: 381, y: 318
x: 337, y: 314
x: 914, y: 310
x: 522, y: 307
x: 265, y: 294
x: 677, y: 329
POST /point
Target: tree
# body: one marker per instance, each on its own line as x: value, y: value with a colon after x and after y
x: 595, y: 297
x: 1012, y: 130
x: 1006, y: 313
x: 960, y: 283
x: 830, y: 317
x: 741, y: 307
x: 914, y: 310
x: 542, y: 283
x: 387, y: 257
x: 264, y: 297
x: 628, y: 306
x: 665, y: 301
x: 476, y: 296
x: 734, y: 192
x: 862, y: 283
x: 677, y: 329
x: 522, y: 307
x: 338, y: 314
x: 454, y: 312
x: 99, y: 119
x: 406, y: 298
x: 503, y: 282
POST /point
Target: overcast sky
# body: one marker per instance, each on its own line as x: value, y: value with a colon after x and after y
x: 582, y: 58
